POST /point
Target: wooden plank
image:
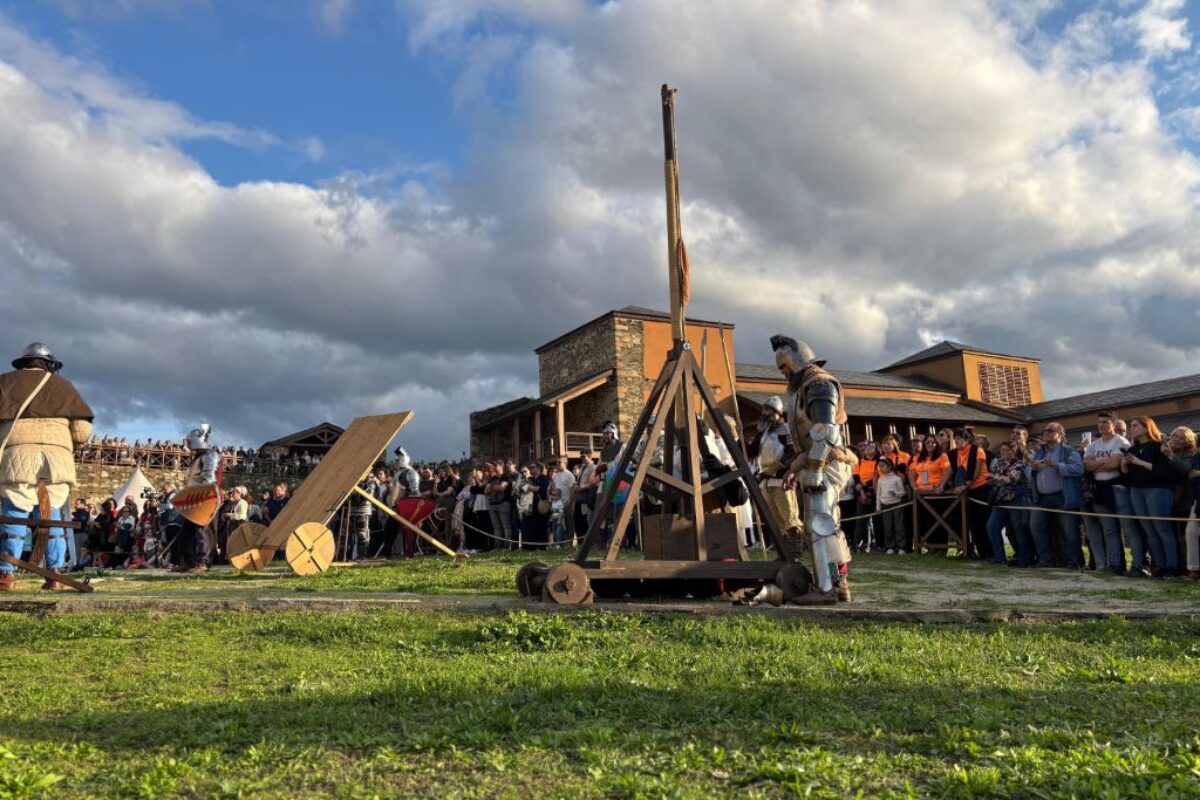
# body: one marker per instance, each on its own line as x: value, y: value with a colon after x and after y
x: 630, y: 568
x: 343, y: 467
x: 39, y: 523
x: 48, y: 574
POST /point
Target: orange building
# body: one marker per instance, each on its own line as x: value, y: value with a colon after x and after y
x: 604, y: 369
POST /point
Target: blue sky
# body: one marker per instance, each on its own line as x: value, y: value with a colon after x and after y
x: 356, y: 88
x: 267, y: 214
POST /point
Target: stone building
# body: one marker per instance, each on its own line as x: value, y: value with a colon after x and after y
x: 603, y: 370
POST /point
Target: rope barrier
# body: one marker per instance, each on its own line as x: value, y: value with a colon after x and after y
x: 881, y: 511
x: 1080, y: 513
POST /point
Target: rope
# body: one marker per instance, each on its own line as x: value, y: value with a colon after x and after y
x: 879, y: 512
x: 1080, y: 513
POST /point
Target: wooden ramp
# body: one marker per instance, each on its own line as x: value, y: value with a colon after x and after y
x: 346, y: 464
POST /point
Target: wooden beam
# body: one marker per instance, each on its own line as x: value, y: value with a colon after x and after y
x: 415, y: 529
x: 516, y: 437
x: 537, y: 433
x: 560, y: 415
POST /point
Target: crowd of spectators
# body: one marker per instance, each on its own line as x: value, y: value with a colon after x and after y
x: 114, y: 535
x: 1037, y: 501
x: 1123, y: 501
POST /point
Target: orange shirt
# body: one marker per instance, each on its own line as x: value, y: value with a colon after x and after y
x: 865, y: 470
x: 928, y: 474
x: 963, y: 455
x: 899, y: 459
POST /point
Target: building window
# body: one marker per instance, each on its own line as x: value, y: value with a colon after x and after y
x: 1004, y: 386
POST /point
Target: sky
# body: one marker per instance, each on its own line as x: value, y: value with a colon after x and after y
x: 265, y: 215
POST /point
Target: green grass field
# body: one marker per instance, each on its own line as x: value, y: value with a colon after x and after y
x: 593, y: 704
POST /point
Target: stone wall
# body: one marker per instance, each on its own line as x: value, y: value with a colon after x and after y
x: 583, y: 353
x: 95, y: 482
x: 632, y: 383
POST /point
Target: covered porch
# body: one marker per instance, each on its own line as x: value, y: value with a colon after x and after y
x: 562, y: 423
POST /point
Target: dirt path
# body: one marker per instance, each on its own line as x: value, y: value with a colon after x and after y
x: 926, y: 590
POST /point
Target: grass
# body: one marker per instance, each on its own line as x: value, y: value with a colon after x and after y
x: 593, y: 704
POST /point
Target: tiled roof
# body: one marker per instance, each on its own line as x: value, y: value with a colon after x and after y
x: 514, y: 408
x: 1114, y: 398
x: 945, y: 348
x: 907, y: 409
x: 871, y: 380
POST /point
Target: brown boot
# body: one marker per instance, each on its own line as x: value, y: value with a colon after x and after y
x: 843, y: 591
x: 52, y: 585
x: 815, y: 597
x: 8, y: 581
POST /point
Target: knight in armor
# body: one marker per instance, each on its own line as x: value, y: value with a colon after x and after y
x: 42, y: 421
x: 406, y: 482
x: 773, y: 454
x: 192, y: 553
x: 822, y: 468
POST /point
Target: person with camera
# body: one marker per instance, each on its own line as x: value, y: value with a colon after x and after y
x: 1102, y: 460
x: 1058, y: 479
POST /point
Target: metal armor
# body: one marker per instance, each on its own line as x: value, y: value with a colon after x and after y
x: 408, y: 481
x: 773, y: 445
x: 203, y: 468
x: 822, y: 474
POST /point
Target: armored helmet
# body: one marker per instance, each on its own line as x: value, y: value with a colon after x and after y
x: 37, y: 354
x: 775, y: 403
x: 788, y: 349
x: 197, y: 438
x: 402, y: 458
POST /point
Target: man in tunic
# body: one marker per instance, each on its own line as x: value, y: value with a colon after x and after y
x: 823, y: 468
x: 42, y: 421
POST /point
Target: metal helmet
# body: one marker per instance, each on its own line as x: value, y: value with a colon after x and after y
x: 775, y: 403
x: 402, y: 458
x: 197, y: 438
x: 37, y: 354
x: 799, y: 354
x: 610, y: 428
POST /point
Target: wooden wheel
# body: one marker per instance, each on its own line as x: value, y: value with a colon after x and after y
x: 246, y: 552
x: 530, y: 577
x: 310, y: 549
x: 794, y: 580
x: 567, y: 584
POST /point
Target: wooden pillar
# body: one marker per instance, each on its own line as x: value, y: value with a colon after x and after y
x: 516, y: 434
x: 537, y: 433
x: 560, y: 413
x: 870, y: 434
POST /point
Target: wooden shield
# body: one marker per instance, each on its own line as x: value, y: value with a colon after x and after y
x: 198, y: 504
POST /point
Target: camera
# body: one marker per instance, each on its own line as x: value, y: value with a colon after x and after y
x: 150, y: 493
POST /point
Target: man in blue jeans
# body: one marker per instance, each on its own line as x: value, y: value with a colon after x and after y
x: 1103, y: 460
x: 1058, y: 479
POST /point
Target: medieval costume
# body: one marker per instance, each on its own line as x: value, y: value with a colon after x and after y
x: 816, y: 414
x: 406, y: 482
x: 773, y: 454
x: 42, y: 420
x: 193, y: 549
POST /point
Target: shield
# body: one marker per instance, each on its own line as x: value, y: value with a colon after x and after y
x: 198, y: 504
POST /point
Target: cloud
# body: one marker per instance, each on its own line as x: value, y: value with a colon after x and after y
x: 334, y: 15
x: 867, y: 176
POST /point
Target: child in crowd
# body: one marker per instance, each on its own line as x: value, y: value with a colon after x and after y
x: 889, y: 496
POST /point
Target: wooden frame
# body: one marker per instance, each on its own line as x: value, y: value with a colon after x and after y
x: 960, y: 538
